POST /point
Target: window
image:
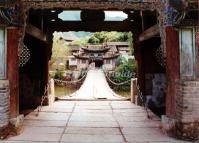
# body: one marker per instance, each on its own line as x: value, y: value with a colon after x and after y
x: 68, y: 15
x: 99, y: 54
x: 108, y: 61
x: 2, y: 53
x: 83, y: 61
x: 73, y: 59
x: 115, y: 16
x: 187, y: 52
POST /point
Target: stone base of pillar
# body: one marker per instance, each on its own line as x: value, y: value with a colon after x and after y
x: 51, y: 99
x: 13, y: 128
x: 179, y: 129
x: 17, y: 122
x: 4, y: 106
x: 169, y: 125
x: 4, y: 132
x: 186, y: 123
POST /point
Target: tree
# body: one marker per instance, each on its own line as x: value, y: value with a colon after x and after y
x: 109, y: 37
x: 60, y: 49
x: 81, y: 42
x: 93, y: 40
x: 103, y: 37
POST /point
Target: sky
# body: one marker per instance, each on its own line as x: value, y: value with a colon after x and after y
x: 116, y: 14
x: 110, y: 15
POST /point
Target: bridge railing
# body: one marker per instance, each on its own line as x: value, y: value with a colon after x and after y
x: 121, y: 88
x: 67, y: 88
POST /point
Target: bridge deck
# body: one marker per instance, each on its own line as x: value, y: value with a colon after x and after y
x: 94, y: 87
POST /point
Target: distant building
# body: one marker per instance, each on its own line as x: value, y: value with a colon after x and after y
x: 68, y: 38
x: 103, y: 55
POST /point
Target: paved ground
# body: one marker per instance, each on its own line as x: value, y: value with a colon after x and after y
x: 95, y: 86
x: 91, y: 122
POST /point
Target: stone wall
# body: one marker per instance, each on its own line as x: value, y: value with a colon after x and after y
x: 187, y: 101
x: 4, y: 103
x: 187, y: 109
x: 186, y: 124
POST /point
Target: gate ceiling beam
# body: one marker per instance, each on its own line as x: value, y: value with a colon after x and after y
x: 92, y: 26
x: 35, y: 32
x: 149, y: 33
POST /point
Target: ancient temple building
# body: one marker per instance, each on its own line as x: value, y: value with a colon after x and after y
x: 165, y: 41
x: 104, y: 56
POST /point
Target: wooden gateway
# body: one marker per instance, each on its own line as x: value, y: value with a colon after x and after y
x: 165, y: 41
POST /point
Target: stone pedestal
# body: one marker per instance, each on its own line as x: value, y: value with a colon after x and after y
x: 4, y: 108
x: 4, y: 103
x: 169, y: 125
x: 51, y: 96
x: 133, y: 89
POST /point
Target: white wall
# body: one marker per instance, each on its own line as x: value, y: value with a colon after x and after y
x: 81, y: 64
x: 73, y: 61
x: 109, y: 66
x: 2, y: 53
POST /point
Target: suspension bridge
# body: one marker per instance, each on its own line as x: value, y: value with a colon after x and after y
x: 95, y: 86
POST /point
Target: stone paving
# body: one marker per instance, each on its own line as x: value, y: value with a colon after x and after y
x: 91, y: 122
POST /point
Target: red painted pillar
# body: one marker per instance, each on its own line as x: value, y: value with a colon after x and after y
x: 12, y: 69
x: 172, y: 69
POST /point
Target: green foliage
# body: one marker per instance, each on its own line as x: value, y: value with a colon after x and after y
x: 130, y: 41
x: 59, y: 74
x: 124, y: 72
x: 60, y: 49
x: 81, y: 42
x: 93, y: 40
x: 121, y: 60
x: 102, y: 37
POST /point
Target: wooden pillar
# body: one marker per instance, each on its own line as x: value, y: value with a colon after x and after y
x: 12, y: 69
x: 138, y: 50
x: 46, y: 66
x: 172, y: 69
x: 48, y: 54
x: 139, y: 62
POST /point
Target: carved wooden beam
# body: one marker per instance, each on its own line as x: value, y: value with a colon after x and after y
x: 92, y: 26
x: 97, y: 4
x: 35, y: 32
x: 184, y: 4
x: 149, y: 33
